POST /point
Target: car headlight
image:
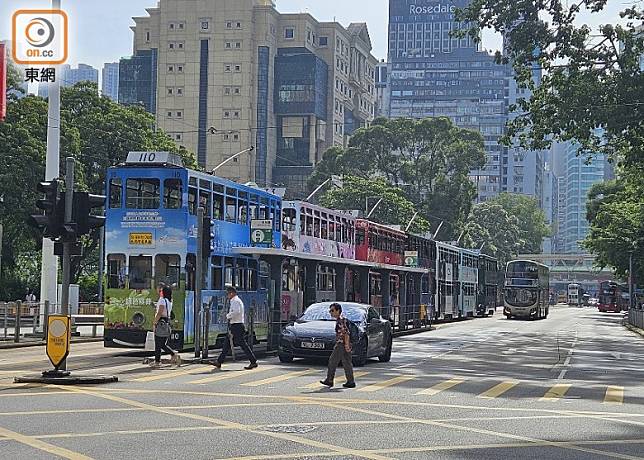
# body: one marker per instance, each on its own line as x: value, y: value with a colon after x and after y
x: 288, y: 334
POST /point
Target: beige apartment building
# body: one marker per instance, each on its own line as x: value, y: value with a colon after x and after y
x: 224, y: 75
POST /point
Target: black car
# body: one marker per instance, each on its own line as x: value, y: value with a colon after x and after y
x: 313, y: 335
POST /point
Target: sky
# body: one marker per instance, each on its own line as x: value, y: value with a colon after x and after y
x: 100, y: 29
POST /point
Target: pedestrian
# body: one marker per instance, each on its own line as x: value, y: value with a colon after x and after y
x: 163, y: 328
x: 30, y: 298
x: 237, y: 328
x: 341, y: 350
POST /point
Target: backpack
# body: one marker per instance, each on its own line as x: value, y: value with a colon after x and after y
x: 354, y: 333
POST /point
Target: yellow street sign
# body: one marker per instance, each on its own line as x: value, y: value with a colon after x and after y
x: 59, y: 334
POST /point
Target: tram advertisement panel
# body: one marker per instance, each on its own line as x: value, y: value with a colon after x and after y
x: 146, y: 250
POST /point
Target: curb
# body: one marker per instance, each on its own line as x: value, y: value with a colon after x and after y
x: 68, y: 380
x: 42, y: 343
x: 634, y: 329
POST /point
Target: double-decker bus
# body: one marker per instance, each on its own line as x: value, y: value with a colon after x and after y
x: 151, y: 241
x: 611, y: 297
x: 527, y: 288
x: 574, y: 295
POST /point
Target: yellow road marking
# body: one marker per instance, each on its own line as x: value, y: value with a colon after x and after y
x: 338, y: 380
x: 614, y: 395
x: 386, y: 383
x: 558, y: 391
x: 446, y: 385
x: 228, y: 375
x: 280, y: 378
x: 41, y: 445
x: 168, y: 375
x: 498, y: 390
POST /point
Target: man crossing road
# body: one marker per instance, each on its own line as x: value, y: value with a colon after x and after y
x: 236, y: 318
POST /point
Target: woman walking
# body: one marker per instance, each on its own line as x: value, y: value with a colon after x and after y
x: 163, y: 329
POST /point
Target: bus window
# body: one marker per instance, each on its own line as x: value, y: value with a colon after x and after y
x: 140, y: 272
x: 142, y: 193
x: 167, y: 268
x: 243, y: 212
x: 172, y: 194
x: 116, y: 193
x: 192, y: 201
x: 218, y: 206
x: 217, y: 275
x: 116, y: 271
x: 231, y: 209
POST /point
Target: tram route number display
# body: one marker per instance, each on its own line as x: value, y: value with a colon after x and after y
x: 261, y: 232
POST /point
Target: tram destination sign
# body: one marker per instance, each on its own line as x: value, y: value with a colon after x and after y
x: 261, y: 232
x: 153, y: 158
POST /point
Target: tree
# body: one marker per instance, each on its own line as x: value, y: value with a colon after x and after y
x: 96, y: 131
x: 589, y: 82
x: 532, y: 224
x: 394, y: 209
x: 491, y: 227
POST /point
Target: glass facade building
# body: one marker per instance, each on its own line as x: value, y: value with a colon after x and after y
x: 110, y: 80
x: 434, y: 75
x: 138, y: 80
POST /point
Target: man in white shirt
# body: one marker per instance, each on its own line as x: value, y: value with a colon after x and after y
x: 236, y: 320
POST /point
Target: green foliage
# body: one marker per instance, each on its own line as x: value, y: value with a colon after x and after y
x: 429, y: 160
x: 395, y: 209
x: 589, y: 81
x: 96, y: 131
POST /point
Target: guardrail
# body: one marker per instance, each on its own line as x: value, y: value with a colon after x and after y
x: 636, y: 317
x: 410, y: 317
x: 20, y: 320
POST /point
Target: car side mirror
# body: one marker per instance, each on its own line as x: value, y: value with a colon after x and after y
x: 375, y: 321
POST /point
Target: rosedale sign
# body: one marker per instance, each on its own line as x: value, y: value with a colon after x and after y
x: 431, y: 9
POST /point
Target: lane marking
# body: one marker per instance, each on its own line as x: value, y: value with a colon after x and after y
x: 280, y: 378
x: 225, y: 375
x: 42, y: 445
x: 446, y: 385
x: 614, y: 395
x: 169, y: 375
x: 386, y: 383
x: 338, y: 381
x: 231, y: 425
x: 566, y: 364
x: 558, y: 391
x: 499, y: 389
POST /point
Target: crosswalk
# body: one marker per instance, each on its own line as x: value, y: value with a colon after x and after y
x: 418, y: 386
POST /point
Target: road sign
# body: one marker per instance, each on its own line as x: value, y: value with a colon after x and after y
x: 59, y: 333
x: 411, y: 258
x: 261, y: 232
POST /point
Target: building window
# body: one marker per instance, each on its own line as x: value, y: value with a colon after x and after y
x: 171, y: 26
x: 171, y: 45
x: 228, y: 45
x: 289, y: 33
x: 170, y: 69
x: 228, y: 67
x: 237, y: 91
x: 238, y: 25
x: 180, y: 69
x: 227, y: 90
x: 237, y: 67
x: 226, y: 114
x: 147, y: 36
x: 205, y: 25
x: 180, y: 45
x: 180, y: 91
x: 178, y: 137
x: 229, y: 24
x: 170, y: 91
x: 324, y: 41
x: 236, y: 114
x: 181, y: 26
x: 179, y: 114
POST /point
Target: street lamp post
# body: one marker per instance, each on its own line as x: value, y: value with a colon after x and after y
x: 250, y: 149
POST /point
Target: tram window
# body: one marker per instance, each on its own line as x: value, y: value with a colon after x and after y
x: 116, y: 271
x: 288, y: 220
x: 252, y: 275
x: 140, y: 272
x: 192, y: 201
x: 231, y: 209
x: 338, y: 229
x: 309, y: 225
x: 142, y: 193
x: 360, y: 237
x: 252, y: 211
x: 167, y: 268
x: 172, y: 194
x: 351, y: 233
x: 332, y: 229
x: 191, y: 264
x: 324, y: 227
x: 240, y: 275
x: 218, y: 206
x: 243, y: 212
x: 229, y: 275
x: 204, y: 202
x: 116, y: 193
x: 263, y: 212
x: 217, y: 275
x: 278, y: 218
x: 316, y: 227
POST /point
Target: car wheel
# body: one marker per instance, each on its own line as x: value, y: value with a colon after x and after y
x: 285, y: 358
x: 361, y: 358
x: 386, y: 357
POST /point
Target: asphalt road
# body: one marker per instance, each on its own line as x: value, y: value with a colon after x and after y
x: 569, y: 387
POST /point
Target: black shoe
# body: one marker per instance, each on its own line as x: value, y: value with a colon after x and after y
x: 326, y: 383
x: 349, y: 385
x: 251, y: 366
x: 217, y: 364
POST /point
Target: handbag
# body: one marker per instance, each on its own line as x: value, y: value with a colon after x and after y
x: 163, y: 328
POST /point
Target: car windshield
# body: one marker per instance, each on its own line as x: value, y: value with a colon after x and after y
x: 320, y: 312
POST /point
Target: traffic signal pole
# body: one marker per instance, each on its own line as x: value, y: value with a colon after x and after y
x: 67, y: 258
x: 198, y: 281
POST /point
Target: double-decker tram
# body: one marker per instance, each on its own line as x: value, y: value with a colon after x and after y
x: 488, y: 279
x: 527, y: 289
x: 425, y: 249
x: 574, y: 295
x: 151, y: 242
x: 468, y: 282
x: 447, y: 287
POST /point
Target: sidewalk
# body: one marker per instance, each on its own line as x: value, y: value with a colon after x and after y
x: 27, y: 341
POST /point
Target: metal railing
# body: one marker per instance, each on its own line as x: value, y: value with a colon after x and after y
x: 409, y: 317
x: 636, y: 317
x: 27, y: 321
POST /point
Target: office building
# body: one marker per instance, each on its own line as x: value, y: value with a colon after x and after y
x: 224, y: 75
x: 110, y: 80
x: 382, y: 89
x: 550, y: 206
x: 69, y: 76
x: 433, y: 75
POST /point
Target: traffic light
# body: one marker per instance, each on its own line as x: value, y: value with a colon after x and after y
x: 82, y: 212
x: 208, y: 237
x: 52, y: 220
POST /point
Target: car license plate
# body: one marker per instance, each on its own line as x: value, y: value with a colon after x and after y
x: 314, y: 345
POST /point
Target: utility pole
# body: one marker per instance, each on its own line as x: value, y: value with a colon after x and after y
x: 49, y: 266
x: 198, y: 281
x: 1, y: 230
x: 631, y: 304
